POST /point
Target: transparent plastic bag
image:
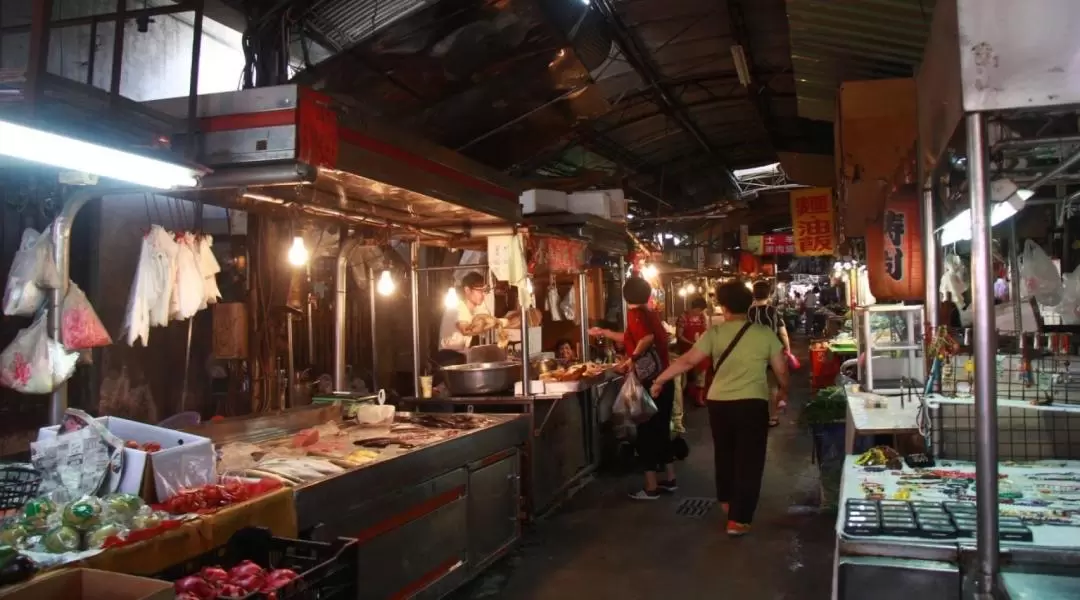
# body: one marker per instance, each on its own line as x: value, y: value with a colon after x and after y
x: 1039, y: 278
x: 33, y: 270
x: 634, y: 403
x: 81, y: 328
x: 1069, y: 308
x: 568, y: 305
x: 35, y: 364
x: 553, y: 302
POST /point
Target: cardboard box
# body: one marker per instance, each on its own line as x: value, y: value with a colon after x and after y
x: 543, y: 202
x: 90, y: 584
x: 184, y: 460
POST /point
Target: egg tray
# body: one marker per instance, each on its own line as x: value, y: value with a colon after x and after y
x: 928, y: 520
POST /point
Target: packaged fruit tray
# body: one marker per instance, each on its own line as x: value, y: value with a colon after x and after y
x: 254, y: 565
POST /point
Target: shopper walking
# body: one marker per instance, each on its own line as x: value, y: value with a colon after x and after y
x: 762, y: 313
x: 739, y: 400
x: 689, y: 328
x: 646, y: 344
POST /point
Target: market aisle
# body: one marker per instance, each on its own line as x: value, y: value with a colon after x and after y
x: 603, y: 546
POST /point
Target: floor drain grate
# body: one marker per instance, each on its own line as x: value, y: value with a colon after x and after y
x: 695, y: 507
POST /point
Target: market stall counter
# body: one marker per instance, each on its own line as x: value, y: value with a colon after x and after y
x: 562, y: 447
x: 431, y: 499
x: 913, y: 530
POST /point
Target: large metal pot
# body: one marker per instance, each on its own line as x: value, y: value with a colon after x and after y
x: 482, y: 378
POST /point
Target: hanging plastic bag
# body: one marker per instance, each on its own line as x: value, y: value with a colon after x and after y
x: 568, y: 306
x: 1039, y: 278
x: 553, y: 302
x: 35, y: 364
x: 33, y: 270
x: 81, y: 328
x: 209, y: 267
x: 954, y: 279
x: 1069, y: 308
x: 634, y: 403
x: 189, y: 288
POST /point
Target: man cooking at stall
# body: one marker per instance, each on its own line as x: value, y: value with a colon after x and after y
x: 462, y: 325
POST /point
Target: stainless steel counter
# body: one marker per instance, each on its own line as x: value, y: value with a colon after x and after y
x: 427, y: 520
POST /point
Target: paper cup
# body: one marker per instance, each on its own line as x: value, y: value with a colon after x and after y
x: 425, y: 386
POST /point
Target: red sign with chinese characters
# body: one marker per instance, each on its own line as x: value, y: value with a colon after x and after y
x: 813, y: 222
x: 894, y: 250
x: 777, y: 243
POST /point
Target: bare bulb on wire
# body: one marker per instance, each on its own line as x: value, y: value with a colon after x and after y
x: 298, y: 252
x: 386, y: 285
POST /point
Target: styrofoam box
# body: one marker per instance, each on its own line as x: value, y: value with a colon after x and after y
x: 184, y: 460
x: 591, y: 203
x: 543, y: 201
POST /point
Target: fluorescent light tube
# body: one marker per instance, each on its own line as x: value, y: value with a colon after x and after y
x: 39, y: 146
x: 1007, y: 198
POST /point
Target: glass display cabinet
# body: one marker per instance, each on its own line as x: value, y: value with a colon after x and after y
x: 891, y: 347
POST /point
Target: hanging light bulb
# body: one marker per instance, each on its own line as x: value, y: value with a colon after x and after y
x: 648, y: 272
x: 690, y: 289
x: 386, y: 286
x: 451, y: 298
x: 298, y: 253
x: 682, y: 292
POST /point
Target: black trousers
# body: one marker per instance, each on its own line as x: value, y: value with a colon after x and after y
x: 740, y: 432
x: 654, y: 435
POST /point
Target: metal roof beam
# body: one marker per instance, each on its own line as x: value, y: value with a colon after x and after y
x: 632, y: 49
x: 755, y: 90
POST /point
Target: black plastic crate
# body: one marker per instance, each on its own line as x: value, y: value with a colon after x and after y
x: 326, y: 570
x: 19, y: 484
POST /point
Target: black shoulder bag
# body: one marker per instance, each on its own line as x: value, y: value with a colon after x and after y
x: 731, y: 346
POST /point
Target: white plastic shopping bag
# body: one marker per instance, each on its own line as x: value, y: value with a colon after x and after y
x: 34, y: 363
x: 1039, y: 278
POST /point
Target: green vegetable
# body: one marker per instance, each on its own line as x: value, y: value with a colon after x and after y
x: 829, y: 405
x: 39, y: 508
x: 61, y: 539
x: 13, y: 533
x: 122, y: 507
x: 83, y: 514
x: 145, y: 520
x: 96, y: 537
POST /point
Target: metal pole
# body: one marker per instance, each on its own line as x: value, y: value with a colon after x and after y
x: 583, y: 308
x: 61, y: 239
x: 193, y: 82
x: 930, y: 257
x: 290, y: 365
x: 341, y: 291
x: 310, y: 322
x: 622, y: 282
x: 985, y: 343
x: 1014, y: 280
x: 374, y: 332
x: 526, y: 387
x: 414, y: 296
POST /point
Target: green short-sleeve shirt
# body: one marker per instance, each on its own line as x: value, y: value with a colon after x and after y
x: 743, y: 374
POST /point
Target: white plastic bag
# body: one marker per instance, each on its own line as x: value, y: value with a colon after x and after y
x: 209, y: 267
x: 634, y: 403
x: 32, y: 271
x: 1069, y: 309
x: 35, y: 364
x: 568, y: 306
x: 151, y: 288
x: 1039, y: 278
x: 81, y: 328
x: 954, y: 279
x: 189, y: 287
x: 553, y: 302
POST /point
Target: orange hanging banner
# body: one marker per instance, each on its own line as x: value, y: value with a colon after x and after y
x: 813, y: 222
x: 894, y: 261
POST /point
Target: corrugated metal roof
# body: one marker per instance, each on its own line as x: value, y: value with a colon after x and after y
x: 833, y: 42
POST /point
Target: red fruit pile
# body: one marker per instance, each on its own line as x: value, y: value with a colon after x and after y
x: 246, y: 578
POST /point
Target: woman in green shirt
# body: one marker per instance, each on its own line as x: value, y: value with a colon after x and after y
x: 738, y: 400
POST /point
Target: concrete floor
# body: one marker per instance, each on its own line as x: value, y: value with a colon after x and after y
x: 603, y: 546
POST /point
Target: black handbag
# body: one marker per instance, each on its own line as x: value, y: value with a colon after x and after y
x: 647, y: 366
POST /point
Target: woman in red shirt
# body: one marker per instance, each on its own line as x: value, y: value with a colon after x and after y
x: 644, y: 331
x: 692, y: 325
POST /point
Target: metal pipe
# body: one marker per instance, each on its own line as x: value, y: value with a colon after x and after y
x: 1035, y: 142
x: 310, y: 317
x: 118, y: 49
x: 414, y: 297
x: 526, y: 368
x: 374, y: 331
x: 341, y: 291
x: 583, y: 308
x: 928, y: 185
x: 287, y: 174
x: 61, y: 240
x: 986, y: 446
x: 479, y: 231
x: 451, y: 268
x: 1063, y: 166
x: 1014, y: 280
x: 193, y: 83
x: 622, y: 282
x: 290, y: 366
x: 324, y: 212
